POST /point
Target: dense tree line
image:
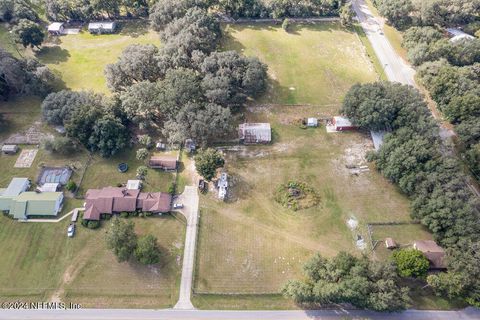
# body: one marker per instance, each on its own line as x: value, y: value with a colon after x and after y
x: 449, y: 70
x: 347, y: 279
x: 413, y: 157
x: 26, y: 29
x: 61, y: 10
x: 429, y: 44
x: 406, y: 13
x: 185, y: 89
x: 165, y: 11
x: 23, y: 77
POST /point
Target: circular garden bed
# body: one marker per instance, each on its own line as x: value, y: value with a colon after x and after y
x: 296, y: 195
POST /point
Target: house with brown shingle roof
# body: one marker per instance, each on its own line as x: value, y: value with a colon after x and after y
x: 433, y: 252
x: 112, y: 200
x: 167, y: 163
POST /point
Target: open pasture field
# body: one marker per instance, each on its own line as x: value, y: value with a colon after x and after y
x: 40, y: 263
x: 312, y: 64
x: 81, y: 59
x: 252, y: 244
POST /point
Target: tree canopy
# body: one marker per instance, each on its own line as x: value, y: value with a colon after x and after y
x: 23, y: 77
x: 362, y: 282
x: 28, y: 33
x: 121, y: 239
x: 207, y: 162
x: 147, y: 251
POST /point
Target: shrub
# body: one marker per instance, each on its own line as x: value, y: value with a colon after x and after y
x: 172, y: 188
x: 142, y: 172
x: 142, y: 154
x: 71, y: 186
x: 145, y: 140
x: 60, y: 145
x: 296, y: 195
x: 411, y: 263
x: 148, y: 213
x: 124, y: 214
x: 93, y: 224
x: 286, y: 24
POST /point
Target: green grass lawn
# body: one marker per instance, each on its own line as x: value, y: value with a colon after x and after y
x: 311, y: 64
x: 80, y: 59
x: 39, y: 261
x: 103, y: 172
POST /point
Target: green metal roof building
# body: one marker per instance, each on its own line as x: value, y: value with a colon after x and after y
x: 36, y: 204
x: 21, y: 204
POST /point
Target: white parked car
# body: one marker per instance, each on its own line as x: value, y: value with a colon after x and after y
x: 177, y: 206
x: 71, y: 230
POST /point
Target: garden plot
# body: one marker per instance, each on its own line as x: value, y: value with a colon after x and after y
x: 26, y: 158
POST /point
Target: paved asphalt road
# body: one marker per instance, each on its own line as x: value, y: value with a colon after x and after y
x: 395, y: 68
x: 131, y: 314
x: 190, y: 200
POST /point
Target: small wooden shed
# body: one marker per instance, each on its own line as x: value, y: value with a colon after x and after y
x: 312, y: 122
x: 390, y: 243
x: 9, y: 148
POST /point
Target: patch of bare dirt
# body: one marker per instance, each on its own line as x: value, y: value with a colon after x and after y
x: 352, y: 164
x: 32, y: 135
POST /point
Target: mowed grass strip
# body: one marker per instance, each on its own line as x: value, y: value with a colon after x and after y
x: 80, y: 59
x: 311, y: 64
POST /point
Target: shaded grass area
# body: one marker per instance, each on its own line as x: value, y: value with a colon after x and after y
x: 252, y: 244
x: 38, y: 259
x: 18, y: 114
x: 80, y: 59
x: 311, y: 64
x: 6, y: 41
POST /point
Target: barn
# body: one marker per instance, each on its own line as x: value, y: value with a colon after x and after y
x: 342, y: 124
x: 9, y: 148
x: 102, y: 27
x: 254, y: 133
x: 166, y: 163
x: 55, y: 28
